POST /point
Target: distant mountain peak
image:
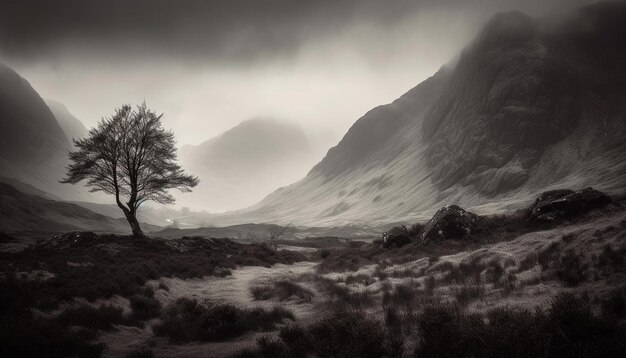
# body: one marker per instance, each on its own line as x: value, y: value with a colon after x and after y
x: 240, y: 166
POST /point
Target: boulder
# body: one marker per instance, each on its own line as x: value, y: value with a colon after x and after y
x: 450, y: 223
x: 554, y: 205
x: 397, y: 236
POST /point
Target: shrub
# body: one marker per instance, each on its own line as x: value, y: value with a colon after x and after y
x: 27, y: 337
x: 567, y: 329
x: 381, y: 273
x: 466, y: 294
x: 429, y: 284
x: 403, y: 296
x: 23, y: 335
x: 101, y: 318
x: 548, y: 256
x: 615, y: 304
x: 342, y: 335
x: 187, y: 320
x: 140, y: 353
x: 611, y: 260
x: 122, y: 265
x: 281, y: 290
x: 572, y: 269
x: 342, y: 295
x: 361, y: 279
x: 144, y: 307
x: 5, y: 238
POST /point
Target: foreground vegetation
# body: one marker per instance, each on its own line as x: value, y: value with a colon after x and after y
x: 37, y: 282
x: 568, y: 328
x: 514, y: 288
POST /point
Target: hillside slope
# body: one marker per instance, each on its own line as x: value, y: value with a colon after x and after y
x: 530, y: 105
x: 26, y: 212
x: 32, y: 144
x: 72, y: 126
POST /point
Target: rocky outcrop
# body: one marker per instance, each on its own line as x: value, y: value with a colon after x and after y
x: 509, y: 98
x: 396, y: 237
x: 450, y: 223
x: 555, y: 205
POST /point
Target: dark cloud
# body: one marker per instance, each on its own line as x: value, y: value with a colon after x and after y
x: 226, y: 29
x: 222, y: 30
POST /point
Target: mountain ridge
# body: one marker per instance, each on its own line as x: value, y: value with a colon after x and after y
x: 526, y: 108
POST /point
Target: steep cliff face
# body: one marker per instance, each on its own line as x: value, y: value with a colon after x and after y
x: 516, y: 92
x: 530, y: 105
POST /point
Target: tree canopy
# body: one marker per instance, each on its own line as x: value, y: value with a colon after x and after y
x: 131, y: 156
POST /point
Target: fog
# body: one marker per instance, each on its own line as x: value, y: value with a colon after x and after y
x: 210, y: 65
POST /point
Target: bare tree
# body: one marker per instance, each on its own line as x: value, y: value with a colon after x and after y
x: 132, y: 157
x: 277, y: 232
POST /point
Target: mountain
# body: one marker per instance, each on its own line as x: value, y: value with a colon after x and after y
x: 242, y: 165
x: 72, y: 127
x: 530, y: 105
x: 21, y: 212
x: 32, y: 143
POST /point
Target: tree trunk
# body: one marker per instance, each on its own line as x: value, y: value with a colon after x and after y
x: 134, y: 225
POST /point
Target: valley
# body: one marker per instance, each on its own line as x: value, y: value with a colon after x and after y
x: 482, y: 213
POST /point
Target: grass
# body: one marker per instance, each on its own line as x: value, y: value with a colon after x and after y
x: 103, y: 266
x: 570, y: 327
x: 187, y: 320
x: 359, y: 279
x: 140, y: 353
x: 121, y: 265
x: 22, y: 334
x: 468, y: 293
x: 101, y: 318
x: 5, y: 238
x: 281, y: 290
x: 144, y: 306
x: 340, y: 295
x: 404, y: 297
x: 344, y: 334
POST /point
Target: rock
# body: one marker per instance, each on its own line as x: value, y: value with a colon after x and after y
x: 450, y: 223
x: 562, y: 204
x: 397, y: 236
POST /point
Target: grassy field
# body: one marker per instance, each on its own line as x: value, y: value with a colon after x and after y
x: 512, y: 289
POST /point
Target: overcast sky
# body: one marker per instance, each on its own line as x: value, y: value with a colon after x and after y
x: 209, y: 65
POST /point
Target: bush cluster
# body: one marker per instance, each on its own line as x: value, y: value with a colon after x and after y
x: 569, y: 328
x: 187, y: 320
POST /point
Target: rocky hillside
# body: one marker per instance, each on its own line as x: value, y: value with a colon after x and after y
x: 242, y: 165
x: 520, y: 93
x: 530, y: 105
